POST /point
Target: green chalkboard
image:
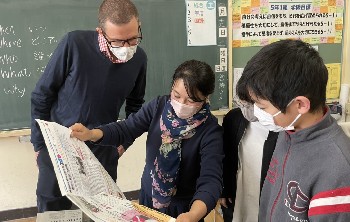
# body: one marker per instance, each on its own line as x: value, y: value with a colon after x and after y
x: 29, y: 32
x: 31, y: 29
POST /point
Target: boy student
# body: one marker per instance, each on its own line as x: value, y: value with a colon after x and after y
x: 88, y: 78
x: 309, y: 173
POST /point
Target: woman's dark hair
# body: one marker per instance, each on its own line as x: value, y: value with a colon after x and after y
x: 197, y: 77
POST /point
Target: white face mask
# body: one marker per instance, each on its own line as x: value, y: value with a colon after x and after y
x: 124, y: 53
x: 183, y: 111
x: 248, y: 113
x: 266, y: 119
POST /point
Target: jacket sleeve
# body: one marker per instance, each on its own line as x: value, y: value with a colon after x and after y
x: 131, y: 128
x: 330, y: 193
x: 209, y: 182
x: 45, y: 93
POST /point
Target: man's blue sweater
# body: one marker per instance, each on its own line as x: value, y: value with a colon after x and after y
x: 81, y: 85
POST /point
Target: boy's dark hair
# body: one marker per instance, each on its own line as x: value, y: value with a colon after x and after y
x: 283, y: 70
x: 117, y: 11
x: 197, y: 76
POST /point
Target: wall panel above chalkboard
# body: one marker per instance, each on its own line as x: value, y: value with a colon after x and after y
x: 31, y: 29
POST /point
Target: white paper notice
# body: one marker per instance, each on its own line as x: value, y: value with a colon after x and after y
x: 201, y: 22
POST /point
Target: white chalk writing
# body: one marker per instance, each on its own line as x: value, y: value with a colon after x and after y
x: 14, y: 90
x: 10, y: 43
x: 7, y: 30
x: 8, y: 59
x: 10, y: 73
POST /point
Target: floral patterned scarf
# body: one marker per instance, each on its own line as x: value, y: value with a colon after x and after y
x: 167, y: 162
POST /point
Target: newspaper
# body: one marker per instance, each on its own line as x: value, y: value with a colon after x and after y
x: 60, y: 216
x: 87, y: 184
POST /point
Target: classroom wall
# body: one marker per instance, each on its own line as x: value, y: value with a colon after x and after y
x: 346, y: 47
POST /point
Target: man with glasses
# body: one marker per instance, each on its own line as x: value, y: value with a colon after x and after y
x: 248, y: 148
x: 88, y: 78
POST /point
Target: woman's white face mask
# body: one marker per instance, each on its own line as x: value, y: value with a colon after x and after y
x: 266, y: 119
x: 183, y: 111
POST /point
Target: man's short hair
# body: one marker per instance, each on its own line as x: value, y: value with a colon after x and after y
x: 283, y: 70
x: 117, y: 12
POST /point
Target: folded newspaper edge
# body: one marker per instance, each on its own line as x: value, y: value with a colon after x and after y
x: 118, y: 209
x: 152, y: 213
x: 73, y: 161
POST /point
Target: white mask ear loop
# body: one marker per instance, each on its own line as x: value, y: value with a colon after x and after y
x: 281, y: 111
x: 296, y: 119
x: 276, y: 114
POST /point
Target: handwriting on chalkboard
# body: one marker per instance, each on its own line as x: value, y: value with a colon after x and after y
x: 14, y: 57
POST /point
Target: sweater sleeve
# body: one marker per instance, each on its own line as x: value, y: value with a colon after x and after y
x: 209, y: 183
x: 46, y: 90
x: 135, y: 99
x: 131, y: 128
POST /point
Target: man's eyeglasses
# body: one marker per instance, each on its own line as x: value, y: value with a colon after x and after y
x: 120, y: 43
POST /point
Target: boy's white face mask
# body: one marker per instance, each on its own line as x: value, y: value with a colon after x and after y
x: 266, y: 119
x: 124, y: 53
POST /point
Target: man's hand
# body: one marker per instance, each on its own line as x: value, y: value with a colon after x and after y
x: 36, y: 157
x: 223, y: 202
x: 120, y: 150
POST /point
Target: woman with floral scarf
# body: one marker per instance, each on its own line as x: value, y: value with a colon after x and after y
x: 183, y: 172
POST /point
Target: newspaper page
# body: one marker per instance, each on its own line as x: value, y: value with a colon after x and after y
x: 77, y: 169
x: 86, y: 183
x: 60, y: 216
x: 103, y: 207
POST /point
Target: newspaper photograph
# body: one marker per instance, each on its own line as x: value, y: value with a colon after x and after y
x: 82, y: 178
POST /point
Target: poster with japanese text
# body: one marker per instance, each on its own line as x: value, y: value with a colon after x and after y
x: 261, y: 22
x: 333, y: 84
x: 201, y: 22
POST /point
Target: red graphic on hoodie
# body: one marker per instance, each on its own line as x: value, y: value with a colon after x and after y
x: 297, y: 201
